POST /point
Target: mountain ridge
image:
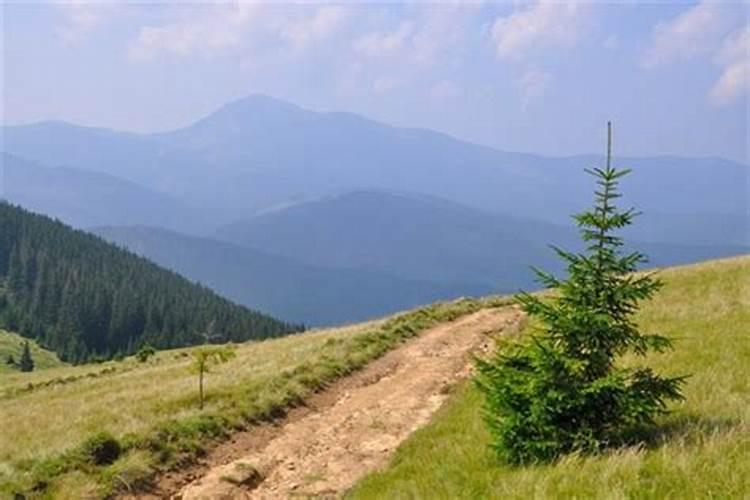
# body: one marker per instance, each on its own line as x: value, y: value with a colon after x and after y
x: 293, y: 290
x: 77, y: 196
x: 273, y: 152
x: 424, y: 237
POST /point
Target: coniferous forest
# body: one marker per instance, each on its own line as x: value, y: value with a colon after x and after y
x: 87, y: 299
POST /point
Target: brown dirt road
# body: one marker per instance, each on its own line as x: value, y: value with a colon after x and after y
x: 358, y: 423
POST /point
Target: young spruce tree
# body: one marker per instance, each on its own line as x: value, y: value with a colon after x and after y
x: 207, y: 355
x: 560, y: 389
x: 26, y: 363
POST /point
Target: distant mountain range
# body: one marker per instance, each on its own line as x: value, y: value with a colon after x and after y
x: 85, y: 198
x: 366, y: 253
x: 427, y: 238
x: 259, y: 153
x: 331, y: 217
x: 283, y: 287
x: 404, y: 235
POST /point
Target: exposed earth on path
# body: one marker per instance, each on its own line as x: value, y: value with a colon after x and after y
x: 350, y: 429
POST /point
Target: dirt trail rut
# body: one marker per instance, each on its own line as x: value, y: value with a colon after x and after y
x: 325, y: 452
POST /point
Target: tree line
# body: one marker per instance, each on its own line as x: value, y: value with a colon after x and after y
x: 86, y: 299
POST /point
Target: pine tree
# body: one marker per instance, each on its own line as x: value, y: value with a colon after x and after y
x: 87, y: 299
x: 560, y: 388
x: 146, y: 351
x: 26, y: 363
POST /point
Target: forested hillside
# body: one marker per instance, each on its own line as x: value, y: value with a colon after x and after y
x: 84, y: 298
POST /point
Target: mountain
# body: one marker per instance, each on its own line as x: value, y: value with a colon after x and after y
x: 312, y: 194
x: 85, y: 298
x: 425, y: 238
x: 363, y: 254
x: 55, y: 143
x: 401, y: 234
x: 287, y: 289
x: 259, y: 153
x: 84, y: 198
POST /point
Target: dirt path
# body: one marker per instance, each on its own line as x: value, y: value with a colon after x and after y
x: 358, y: 423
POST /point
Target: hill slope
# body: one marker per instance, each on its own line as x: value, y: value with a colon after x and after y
x: 288, y: 289
x: 402, y: 234
x: 85, y: 198
x: 426, y: 238
x: 151, y: 408
x: 11, y: 344
x: 698, y: 451
x: 82, y: 297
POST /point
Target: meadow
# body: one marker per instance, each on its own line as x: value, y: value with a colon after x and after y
x: 56, y: 421
x: 11, y: 344
x: 701, y: 449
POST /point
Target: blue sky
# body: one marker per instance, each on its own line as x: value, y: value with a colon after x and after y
x: 521, y: 76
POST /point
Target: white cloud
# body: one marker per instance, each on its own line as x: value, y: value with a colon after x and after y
x: 208, y: 29
x: 322, y: 24
x: 381, y: 44
x: 204, y: 30
x: 81, y: 18
x: 408, y: 46
x: 532, y: 85
x: 705, y: 31
x: 430, y: 34
x: 735, y: 46
x: 691, y: 33
x: 734, y: 59
x: 540, y: 25
x: 442, y: 31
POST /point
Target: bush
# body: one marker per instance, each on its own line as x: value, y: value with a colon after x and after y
x: 145, y: 352
x: 560, y: 389
x: 101, y: 449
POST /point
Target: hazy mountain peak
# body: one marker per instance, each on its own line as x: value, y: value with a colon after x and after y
x: 256, y: 108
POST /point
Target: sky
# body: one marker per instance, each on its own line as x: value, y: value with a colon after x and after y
x: 533, y: 76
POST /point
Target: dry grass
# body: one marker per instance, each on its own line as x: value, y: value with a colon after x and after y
x: 152, y: 408
x: 51, y: 419
x: 11, y: 345
x: 700, y: 450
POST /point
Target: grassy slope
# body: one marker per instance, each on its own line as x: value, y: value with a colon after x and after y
x: 11, y: 344
x: 703, y: 450
x: 151, y: 408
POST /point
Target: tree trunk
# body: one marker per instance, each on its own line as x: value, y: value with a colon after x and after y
x: 200, y: 386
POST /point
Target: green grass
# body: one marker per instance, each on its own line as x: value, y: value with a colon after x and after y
x: 51, y: 418
x: 700, y: 450
x: 11, y: 345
